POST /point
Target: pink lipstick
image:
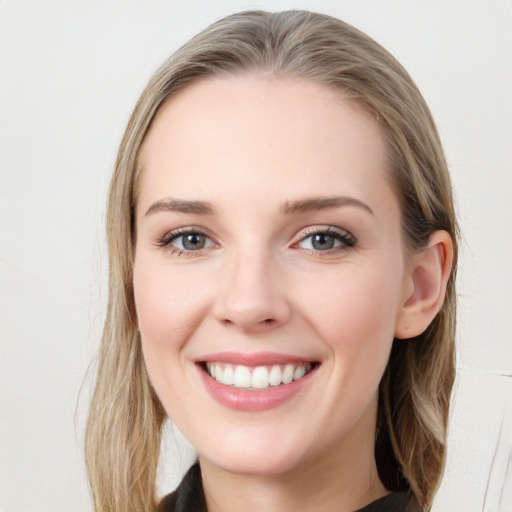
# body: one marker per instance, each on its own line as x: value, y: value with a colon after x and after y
x: 255, y: 382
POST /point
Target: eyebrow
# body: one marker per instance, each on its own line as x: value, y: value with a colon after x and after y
x: 322, y: 203
x: 289, y: 207
x: 181, y: 206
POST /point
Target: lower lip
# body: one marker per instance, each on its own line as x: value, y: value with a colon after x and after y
x: 252, y: 401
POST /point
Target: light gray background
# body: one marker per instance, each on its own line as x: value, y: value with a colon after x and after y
x: 71, y: 73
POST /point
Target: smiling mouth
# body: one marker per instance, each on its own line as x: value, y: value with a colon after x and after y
x: 257, y: 378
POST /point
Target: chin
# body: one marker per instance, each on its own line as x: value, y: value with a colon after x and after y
x: 256, y: 462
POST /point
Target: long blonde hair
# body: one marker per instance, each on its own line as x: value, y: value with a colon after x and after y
x: 126, y: 417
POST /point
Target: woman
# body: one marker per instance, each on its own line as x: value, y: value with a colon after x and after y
x: 282, y: 278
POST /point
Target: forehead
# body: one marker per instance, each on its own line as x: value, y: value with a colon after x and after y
x: 255, y: 133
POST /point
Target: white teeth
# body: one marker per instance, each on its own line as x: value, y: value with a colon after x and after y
x: 260, y: 377
x: 299, y: 372
x: 229, y: 375
x: 242, y: 377
x: 275, y: 377
x: 218, y: 372
x: 288, y: 373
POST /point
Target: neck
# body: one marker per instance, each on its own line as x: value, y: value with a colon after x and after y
x: 344, y: 480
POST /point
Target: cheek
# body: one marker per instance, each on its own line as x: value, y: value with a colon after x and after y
x: 168, y: 309
x: 168, y: 304
x: 354, y: 302
x: 355, y: 316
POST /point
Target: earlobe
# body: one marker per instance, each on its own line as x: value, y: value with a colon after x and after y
x: 427, y: 281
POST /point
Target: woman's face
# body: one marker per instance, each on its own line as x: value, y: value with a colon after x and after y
x: 268, y: 249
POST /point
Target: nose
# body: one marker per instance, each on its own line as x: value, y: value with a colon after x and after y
x: 252, y: 296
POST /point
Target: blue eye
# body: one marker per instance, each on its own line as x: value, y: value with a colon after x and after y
x: 186, y: 241
x: 318, y: 240
x: 323, y: 242
x: 192, y: 241
x: 327, y: 240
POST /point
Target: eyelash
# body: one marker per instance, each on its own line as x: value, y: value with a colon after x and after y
x: 167, y: 239
x: 346, y: 239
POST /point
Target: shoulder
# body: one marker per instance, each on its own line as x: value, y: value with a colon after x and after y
x: 188, y: 497
x: 395, y: 502
x: 168, y: 503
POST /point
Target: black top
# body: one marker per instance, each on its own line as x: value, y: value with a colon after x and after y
x: 189, y: 497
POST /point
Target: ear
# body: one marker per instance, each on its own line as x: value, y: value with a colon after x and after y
x: 425, y: 286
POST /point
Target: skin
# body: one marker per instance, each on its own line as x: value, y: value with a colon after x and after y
x: 247, y: 146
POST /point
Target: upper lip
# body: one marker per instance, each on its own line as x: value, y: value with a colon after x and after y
x: 257, y: 359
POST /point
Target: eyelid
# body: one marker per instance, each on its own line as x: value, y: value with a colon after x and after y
x: 342, y: 235
x: 345, y: 237
x: 323, y: 228
x: 165, y: 241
